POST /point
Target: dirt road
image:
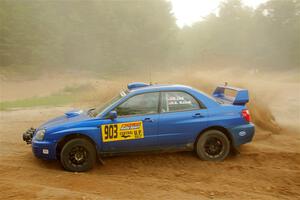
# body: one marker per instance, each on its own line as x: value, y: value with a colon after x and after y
x: 268, y: 168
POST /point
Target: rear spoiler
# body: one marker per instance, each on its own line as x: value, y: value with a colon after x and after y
x: 241, y: 96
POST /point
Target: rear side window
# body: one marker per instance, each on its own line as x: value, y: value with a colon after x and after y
x: 142, y: 104
x: 178, y: 101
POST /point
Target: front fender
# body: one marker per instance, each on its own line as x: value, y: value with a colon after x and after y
x: 91, y: 132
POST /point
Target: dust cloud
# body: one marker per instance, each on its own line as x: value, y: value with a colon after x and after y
x: 274, y: 96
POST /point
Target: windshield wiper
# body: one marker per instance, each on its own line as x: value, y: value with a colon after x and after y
x: 90, y: 112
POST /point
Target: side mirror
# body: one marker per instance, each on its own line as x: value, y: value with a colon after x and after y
x: 112, y: 115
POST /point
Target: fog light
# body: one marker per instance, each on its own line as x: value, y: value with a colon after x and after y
x: 45, y: 151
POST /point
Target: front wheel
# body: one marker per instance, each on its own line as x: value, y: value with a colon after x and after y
x: 213, y: 145
x: 78, y: 155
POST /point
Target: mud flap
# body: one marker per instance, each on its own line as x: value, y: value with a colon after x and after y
x: 234, y: 151
x: 100, y: 159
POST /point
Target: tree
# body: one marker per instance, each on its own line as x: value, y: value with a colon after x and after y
x: 87, y: 34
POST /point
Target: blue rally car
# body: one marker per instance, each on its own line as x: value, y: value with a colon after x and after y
x: 147, y: 118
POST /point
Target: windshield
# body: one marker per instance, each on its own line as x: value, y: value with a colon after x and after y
x: 101, y: 109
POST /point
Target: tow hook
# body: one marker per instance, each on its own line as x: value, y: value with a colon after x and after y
x: 28, y: 135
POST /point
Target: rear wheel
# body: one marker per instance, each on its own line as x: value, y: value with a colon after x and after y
x: 78, y: 155
x: 213, y: 145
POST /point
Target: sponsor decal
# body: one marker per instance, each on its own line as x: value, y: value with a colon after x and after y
x: 178, y: 100
x: 122, y: 131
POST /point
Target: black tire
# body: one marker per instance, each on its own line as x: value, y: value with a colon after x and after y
x: 213, y: 145
x: 78, y: 155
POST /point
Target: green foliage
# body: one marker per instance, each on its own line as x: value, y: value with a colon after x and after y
x: 89, y: 34
x: 52, y: 100
x: 126, y: 35
x: 267, y: 36
x: 68, y: 95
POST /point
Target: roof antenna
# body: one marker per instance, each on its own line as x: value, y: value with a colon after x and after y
x: 150, y: 75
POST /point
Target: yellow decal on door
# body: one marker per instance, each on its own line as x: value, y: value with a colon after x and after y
x: 122, y: 131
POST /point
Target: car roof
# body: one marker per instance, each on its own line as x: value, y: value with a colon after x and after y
x: 140, y: 88
x: 143, y: 88
x: 160, y: 87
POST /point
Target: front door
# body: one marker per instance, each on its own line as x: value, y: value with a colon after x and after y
x: 136, y: 126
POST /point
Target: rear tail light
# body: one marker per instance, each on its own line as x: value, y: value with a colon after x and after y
x: 246, y: 115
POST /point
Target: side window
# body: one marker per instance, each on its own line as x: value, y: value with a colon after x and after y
x: 141, y: 104
x: 178, y: 101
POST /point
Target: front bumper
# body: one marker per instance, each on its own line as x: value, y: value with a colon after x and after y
x: 41, y: 149
x: 242, y: 134
x: 44, y: 149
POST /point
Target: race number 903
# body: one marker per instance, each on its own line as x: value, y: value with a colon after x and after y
x: 122, y: 131
x: 110, y: 131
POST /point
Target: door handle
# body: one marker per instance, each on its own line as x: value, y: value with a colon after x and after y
x: 148, y: 120
x: 197, y: 115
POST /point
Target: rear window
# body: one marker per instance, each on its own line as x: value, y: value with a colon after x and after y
x: 178, y: 101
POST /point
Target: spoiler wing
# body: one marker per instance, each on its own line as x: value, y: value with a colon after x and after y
x: 240, y: 97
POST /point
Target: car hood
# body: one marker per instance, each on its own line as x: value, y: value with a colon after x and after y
x: 69, y: 117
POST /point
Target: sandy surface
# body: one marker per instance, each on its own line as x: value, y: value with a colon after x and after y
x: 46, y: 84
x: 267, y: 168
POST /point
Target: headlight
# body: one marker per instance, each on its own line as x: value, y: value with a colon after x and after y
x: 40, y: 134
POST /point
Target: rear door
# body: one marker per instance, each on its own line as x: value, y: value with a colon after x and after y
x: 136, y: 126
x: 181, y: 119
